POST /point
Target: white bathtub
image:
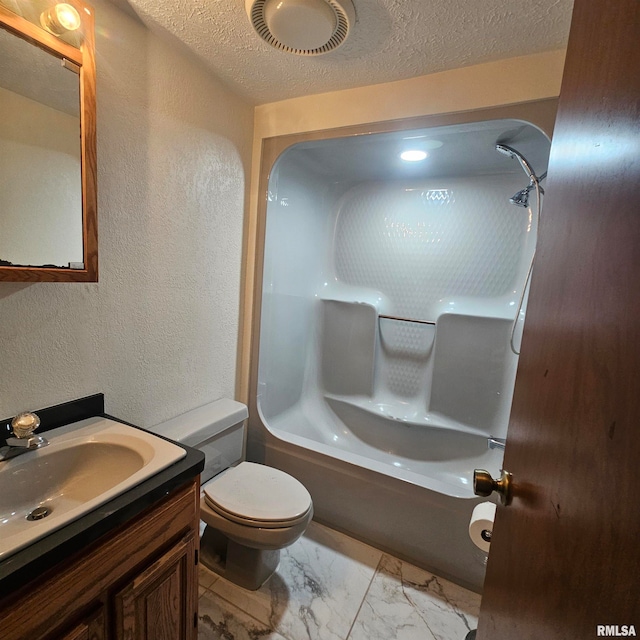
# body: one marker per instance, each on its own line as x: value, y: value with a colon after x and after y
x: 406, y: 492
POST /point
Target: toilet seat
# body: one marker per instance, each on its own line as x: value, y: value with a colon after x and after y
x: 253, y: 522
x: 255, y: 495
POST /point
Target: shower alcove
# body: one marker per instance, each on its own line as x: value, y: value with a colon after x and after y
x: 387, y: 293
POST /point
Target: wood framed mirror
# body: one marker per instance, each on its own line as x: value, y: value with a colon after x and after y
x: 48, y: 195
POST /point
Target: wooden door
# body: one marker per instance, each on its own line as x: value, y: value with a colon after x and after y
x: 565, y: 556
x: 161, y: 602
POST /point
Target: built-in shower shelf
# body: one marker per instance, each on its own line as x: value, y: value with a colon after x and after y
x: 398, y: 414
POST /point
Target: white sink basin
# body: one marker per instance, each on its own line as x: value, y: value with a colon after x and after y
x: 85, y: 465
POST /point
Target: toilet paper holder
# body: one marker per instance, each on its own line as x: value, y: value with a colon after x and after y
x: 484, y: 485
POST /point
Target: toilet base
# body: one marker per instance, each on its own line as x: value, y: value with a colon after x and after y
x: 247, y: 567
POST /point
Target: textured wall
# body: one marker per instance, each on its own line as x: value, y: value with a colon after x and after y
x: 158, y: 333
x: 492, y: 84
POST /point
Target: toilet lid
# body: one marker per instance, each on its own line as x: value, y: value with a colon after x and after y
x: 258, y: 494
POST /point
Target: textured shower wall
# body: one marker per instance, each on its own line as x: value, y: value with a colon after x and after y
x: 297, y: 234
x: 451, y: 250
x: 435, y: 246
x: 158, y: 334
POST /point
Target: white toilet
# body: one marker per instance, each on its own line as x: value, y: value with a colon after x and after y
x: 251, y: 511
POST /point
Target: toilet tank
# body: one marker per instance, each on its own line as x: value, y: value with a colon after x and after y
x: 217, y: 429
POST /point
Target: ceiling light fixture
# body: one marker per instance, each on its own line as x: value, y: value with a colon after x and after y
x: 413, y: 155
x: 302, y: 27
x: 60, y: 18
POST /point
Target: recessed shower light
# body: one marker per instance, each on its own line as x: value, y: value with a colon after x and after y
x: 413, y: 155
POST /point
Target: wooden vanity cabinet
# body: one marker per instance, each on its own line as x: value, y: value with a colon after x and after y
x: 139, y: 582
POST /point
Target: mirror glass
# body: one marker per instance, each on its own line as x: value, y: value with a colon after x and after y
x: 40, y: 157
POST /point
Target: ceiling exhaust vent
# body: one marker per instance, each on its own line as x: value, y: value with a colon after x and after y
x: 303, y: 27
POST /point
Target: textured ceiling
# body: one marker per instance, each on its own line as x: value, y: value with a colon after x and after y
x: 391, y: 40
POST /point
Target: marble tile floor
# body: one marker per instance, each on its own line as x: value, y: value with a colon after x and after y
x: 331, y: 587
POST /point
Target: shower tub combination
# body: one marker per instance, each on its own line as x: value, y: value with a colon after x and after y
x: 391, y: 309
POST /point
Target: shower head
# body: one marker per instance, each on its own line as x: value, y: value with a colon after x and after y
x: 504, y: 150
x: 516, y: 155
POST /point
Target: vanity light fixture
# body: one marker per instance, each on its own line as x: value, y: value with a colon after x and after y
x: 60, y: 18
x: 413, y: 155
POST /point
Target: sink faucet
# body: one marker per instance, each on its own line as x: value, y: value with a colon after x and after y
x: 22, y: 438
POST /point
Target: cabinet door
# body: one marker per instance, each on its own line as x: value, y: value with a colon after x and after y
x: 161, y: 602
x: 91, y: 628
